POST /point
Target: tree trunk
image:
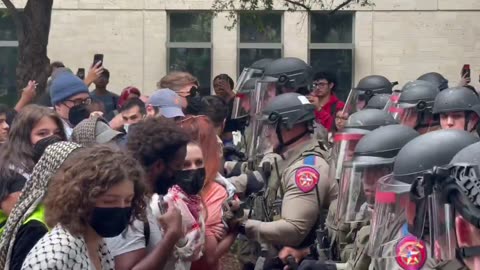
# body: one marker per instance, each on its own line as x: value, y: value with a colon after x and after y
x: 33, y: 62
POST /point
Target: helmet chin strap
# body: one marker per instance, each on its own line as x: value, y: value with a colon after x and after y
x: 281, y: 144
x: 466, y: 253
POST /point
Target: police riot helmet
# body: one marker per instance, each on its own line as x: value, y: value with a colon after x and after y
x: 261, y: 64
x: 462, y: 192
x: 373, y: 160
x: 436, y: 79
x: 289, y: 109
x: 425, y: 152
x: 369, y: 119
x: 457, y: 99
x: 374, y: 84
x: 290, y: 72
x: 378, y: 102
x: 385, y: 142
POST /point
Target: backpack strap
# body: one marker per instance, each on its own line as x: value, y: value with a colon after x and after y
x: 146, y: 232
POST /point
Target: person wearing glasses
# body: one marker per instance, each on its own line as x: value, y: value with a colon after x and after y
x: 326, y: 102
x: 66, y: 92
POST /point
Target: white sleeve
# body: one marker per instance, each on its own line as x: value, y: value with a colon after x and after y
x: 130, y: 240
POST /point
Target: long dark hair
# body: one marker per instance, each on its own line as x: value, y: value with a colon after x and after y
x: 18, y: 150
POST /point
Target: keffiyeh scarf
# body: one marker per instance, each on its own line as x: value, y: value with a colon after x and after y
x: 33, y: 194
x: 189, y: 248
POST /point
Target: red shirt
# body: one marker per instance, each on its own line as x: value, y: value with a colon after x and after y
x: 326, y: 116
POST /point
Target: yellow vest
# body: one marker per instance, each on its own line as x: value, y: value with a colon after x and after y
x: 38, y: 215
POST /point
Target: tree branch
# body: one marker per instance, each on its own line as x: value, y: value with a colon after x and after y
x: 297, y: 3
x: 341, y: 6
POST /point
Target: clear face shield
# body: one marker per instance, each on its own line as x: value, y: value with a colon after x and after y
x: 356, y: 101
x: 343, y: 148
x: 434, y: 214
x: 258, y: 99
x: 389, y: 219
x: 356, y: 198
x: 241, y: 103
x: 394, y: 97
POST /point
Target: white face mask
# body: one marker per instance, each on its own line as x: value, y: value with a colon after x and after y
x: 126, y: 126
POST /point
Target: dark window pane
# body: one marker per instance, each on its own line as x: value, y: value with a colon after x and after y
x: 190, y: 27
x: 336, y: 28
x: 261, y: 27
x: 196, y: 61
x: 7, y: 27
x: 249, y: 56
x: 337, y: 62
x: 8, y: 65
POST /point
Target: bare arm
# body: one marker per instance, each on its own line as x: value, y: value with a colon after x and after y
x: 214, y: 250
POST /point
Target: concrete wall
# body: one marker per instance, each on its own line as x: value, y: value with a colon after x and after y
x: 397, y: 38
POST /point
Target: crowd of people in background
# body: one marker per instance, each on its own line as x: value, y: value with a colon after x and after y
x: 94, y: 180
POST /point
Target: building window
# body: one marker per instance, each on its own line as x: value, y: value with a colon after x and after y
x: 260, y: 36
x: 190, y: 45
x: 8, y: 59
x: 332, y: 48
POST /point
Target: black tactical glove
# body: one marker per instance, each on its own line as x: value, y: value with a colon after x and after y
x: 232, y: 151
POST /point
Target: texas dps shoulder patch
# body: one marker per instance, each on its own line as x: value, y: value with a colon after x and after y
x: 411, y: 253
x: 306, y: 178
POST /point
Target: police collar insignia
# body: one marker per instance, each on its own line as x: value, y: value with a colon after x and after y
x: 306, y: 178
x: 411, y: 253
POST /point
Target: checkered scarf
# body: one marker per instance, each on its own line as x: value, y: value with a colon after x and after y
x: 84, y: 132
x: 33, y: 194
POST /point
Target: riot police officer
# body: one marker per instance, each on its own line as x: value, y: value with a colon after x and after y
x: 373, y: 159
x: 436, y: 79
x: 457, y: 226
x: 391, y: 246
x: 457, y: 108
x: 414, y: 106
x: 358, y: 125
x: 294, y: 196
x: 366, y: 88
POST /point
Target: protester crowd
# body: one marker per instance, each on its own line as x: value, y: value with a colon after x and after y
x: 94, y: 180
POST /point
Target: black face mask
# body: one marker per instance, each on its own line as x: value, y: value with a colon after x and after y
x: 77, y: 114
x: 191, y: 181
x: 41, y: 145
x: 110, y: 222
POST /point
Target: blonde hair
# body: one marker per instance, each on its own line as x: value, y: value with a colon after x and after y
x: 177, y: 80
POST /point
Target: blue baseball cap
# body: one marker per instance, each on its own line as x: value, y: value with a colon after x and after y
x: 167, y: 101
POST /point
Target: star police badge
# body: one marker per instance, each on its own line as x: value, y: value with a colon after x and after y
x: 411, y: 253
x: 306, y: 178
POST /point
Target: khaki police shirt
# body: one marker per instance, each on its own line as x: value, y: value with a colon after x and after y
x: 300, y: 209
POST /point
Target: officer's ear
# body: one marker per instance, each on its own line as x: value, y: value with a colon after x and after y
x: 464, y: 232
x: 473, y: 122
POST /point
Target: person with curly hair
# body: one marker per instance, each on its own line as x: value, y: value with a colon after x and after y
x: 95, y: 194
x: 160, y: 146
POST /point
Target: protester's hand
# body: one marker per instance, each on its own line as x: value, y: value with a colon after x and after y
x: 171, y: 221
x: 117, y: 122
x: 30, y: 90
x: 96, y: 114
x: 464, y: 80
x: 94, y: 73
x: 315, y: 101
x: 297, y: 254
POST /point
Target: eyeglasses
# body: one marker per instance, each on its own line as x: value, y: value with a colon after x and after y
x: 76, y: 102
x: 319, y: 84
